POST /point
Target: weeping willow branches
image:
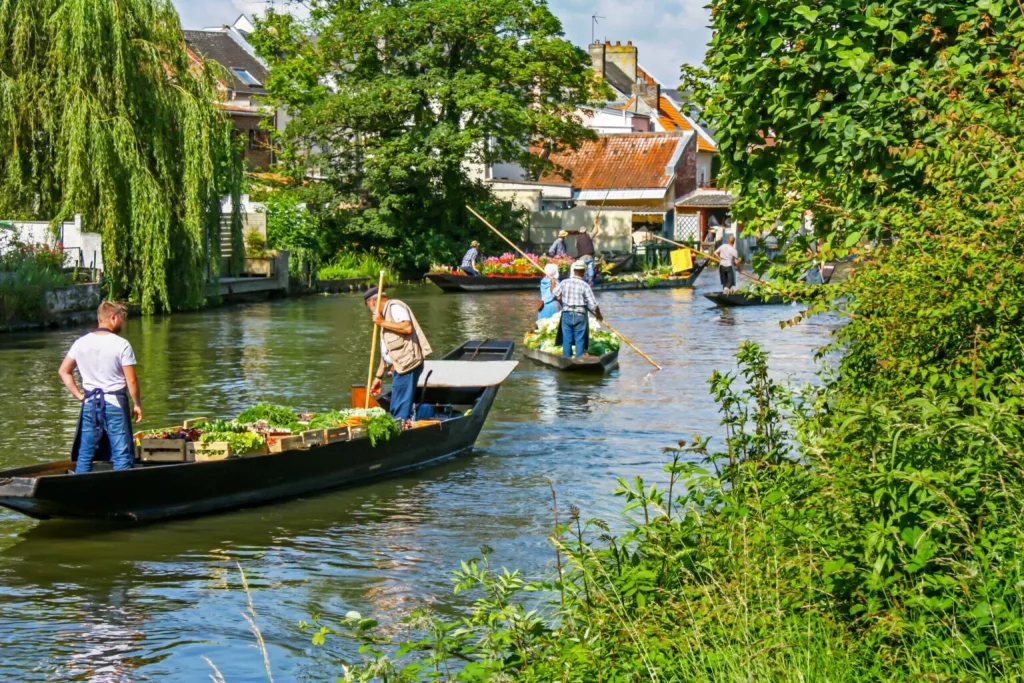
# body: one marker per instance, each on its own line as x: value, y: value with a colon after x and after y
x: 102, y: 113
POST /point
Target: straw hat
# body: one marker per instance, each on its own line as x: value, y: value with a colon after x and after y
x: 564, y: 233
x: 474, y: 243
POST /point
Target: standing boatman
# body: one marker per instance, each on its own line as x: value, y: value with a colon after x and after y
x: 729, y: 260
x: 106, y: 362
x: 585, y: 251
x: 469, y: 260
x: 578, y: 302
x: 403, y: 346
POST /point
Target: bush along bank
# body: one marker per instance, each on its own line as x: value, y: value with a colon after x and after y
x: 831, y: 539
x: 35, y: 288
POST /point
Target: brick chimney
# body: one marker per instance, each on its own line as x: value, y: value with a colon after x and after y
x: 649, y: 93
x: 624, y: 57
x: 597, y: 59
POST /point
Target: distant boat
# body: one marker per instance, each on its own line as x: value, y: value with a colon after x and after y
x: 462, y: 386
x: 743, y: 298
x: 594, y: 364
x: 453, y: 283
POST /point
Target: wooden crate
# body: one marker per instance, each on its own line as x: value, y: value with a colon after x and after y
x: 189, y: 424
x: 313, y: 437
x: 357, y: 433
x: 213, y: 451
x: 336, y: 435
x: 164, y: 450
x: 280, y: 444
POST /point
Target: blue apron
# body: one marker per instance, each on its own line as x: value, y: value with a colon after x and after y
x: 103, y: 447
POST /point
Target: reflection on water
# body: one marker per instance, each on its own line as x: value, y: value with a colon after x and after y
x: 146, y: 603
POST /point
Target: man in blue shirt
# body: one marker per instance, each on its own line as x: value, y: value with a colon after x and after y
x: 557, y: 247
x: 469, y: 260
x: 578, y: 302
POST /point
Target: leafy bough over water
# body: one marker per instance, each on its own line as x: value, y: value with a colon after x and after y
x: 870, y: 541
x: 543, y: 338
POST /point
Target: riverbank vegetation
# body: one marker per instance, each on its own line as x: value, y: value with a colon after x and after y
x: 869, y: 527
x: 461, y: 84
x: 27, y: 273
x: 103, y: 115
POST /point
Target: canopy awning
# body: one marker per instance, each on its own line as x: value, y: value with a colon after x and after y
x: 465, y: 374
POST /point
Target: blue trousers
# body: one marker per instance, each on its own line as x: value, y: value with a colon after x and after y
x: 574, y: 333
x: 99, y: 417
x: 471, y: 271
x: 591, y: 272
x: 403, y: 393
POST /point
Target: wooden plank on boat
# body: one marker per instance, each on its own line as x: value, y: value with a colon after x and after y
x: 164, y: 450
x: 189, y: 424
x: 457, y: 374
x: 336, y: 435
x: 280, y: 444
x: 212, y: 451
x: 312, y: 437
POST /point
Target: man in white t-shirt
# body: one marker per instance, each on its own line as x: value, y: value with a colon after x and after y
x: 106, y: 363
x: 729, y: 260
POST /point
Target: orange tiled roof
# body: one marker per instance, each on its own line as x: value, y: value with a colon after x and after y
x: 672, y: 119
x: 645, y: 77
x: 626, y: 161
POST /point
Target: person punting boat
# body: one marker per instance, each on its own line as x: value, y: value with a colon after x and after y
x: 586, y: 252
x: 578, y: 302
x: 729, y: 259
x: 403, y: 347
x: 106, y: 363
x: 470, y: 258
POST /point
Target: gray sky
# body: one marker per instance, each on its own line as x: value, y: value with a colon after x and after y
x: 667, y: 32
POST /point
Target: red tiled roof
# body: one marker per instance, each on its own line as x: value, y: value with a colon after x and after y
x: 672, y: 119
x: 645, y: 77
x: 627, y: 161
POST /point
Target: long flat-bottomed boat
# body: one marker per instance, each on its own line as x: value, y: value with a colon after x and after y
x: 455, y: 283
x: 593, y: 364
x: 734, y: 299
x: 462, y: 385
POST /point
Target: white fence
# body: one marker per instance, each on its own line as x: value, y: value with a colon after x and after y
x: 82, y: 249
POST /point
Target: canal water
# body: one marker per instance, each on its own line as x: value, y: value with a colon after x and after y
x: 148, y: 603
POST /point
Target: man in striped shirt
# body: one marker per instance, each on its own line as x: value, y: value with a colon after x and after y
x: 578, y: 302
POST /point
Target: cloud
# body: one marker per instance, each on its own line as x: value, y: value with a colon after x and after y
x: 667, y: 32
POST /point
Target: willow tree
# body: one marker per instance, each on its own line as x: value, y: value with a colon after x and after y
x: 102, y: 113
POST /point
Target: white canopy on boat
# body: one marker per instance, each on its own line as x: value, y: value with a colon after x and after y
x: 465, y: 374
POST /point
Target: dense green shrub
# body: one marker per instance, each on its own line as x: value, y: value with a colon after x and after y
x: 356, y: 265
x: 27, y: 273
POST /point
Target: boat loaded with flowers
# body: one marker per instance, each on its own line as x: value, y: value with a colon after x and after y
x: 510, y: 272
x: 542, y: 346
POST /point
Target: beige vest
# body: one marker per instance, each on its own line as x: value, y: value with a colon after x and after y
x: 405, y: 351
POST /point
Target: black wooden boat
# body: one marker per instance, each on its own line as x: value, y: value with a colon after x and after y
x: 639, y: 282
x: 161, y: 491
x: 596, y: 364
x: 451, y: 283
x: 744, y: 299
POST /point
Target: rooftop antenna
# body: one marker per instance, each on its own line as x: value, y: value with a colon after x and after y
x: 593, y: 28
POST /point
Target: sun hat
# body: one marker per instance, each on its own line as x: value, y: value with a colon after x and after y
x: 579, y: 265
x: 474, y: 243
x: 564, y: 233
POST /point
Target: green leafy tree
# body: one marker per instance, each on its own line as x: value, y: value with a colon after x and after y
x: 393, y: 100
x: 102, y: 114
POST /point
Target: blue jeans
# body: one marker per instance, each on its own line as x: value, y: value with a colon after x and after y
x: 403, y: 393
x: 574, y: 333
x: 471, y: 271
x: 591, y: 269
x: 98, y: 418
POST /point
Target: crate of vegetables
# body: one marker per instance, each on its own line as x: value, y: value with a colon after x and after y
x: 211, y: 451
x: 336, y: 434
x: 164, y: 450
x: 312, y: 437
x: 279, y: 443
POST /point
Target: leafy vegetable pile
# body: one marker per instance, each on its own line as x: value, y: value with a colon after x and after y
x: 240, y: 442
x: 543, y: 338
x: 275, y: 416
x: 382, y: 427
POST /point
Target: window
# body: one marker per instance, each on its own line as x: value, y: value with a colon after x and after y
x: 252, y: 139
x: 244, y: 76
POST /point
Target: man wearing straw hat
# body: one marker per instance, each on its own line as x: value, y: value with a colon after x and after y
x: 403, y: 346
x: 557, y: 247
x: 469, y: 260
x: 578, y: 302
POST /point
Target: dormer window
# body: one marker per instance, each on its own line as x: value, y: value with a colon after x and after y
x: 244, y: 76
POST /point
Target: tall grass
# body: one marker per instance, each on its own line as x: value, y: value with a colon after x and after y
x: 358, y: 265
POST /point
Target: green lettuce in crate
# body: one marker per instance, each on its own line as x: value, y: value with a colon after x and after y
x: 240, y: 442
x: 276, y: 416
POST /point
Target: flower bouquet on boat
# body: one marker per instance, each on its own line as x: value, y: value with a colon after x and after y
x: 546, y: 345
